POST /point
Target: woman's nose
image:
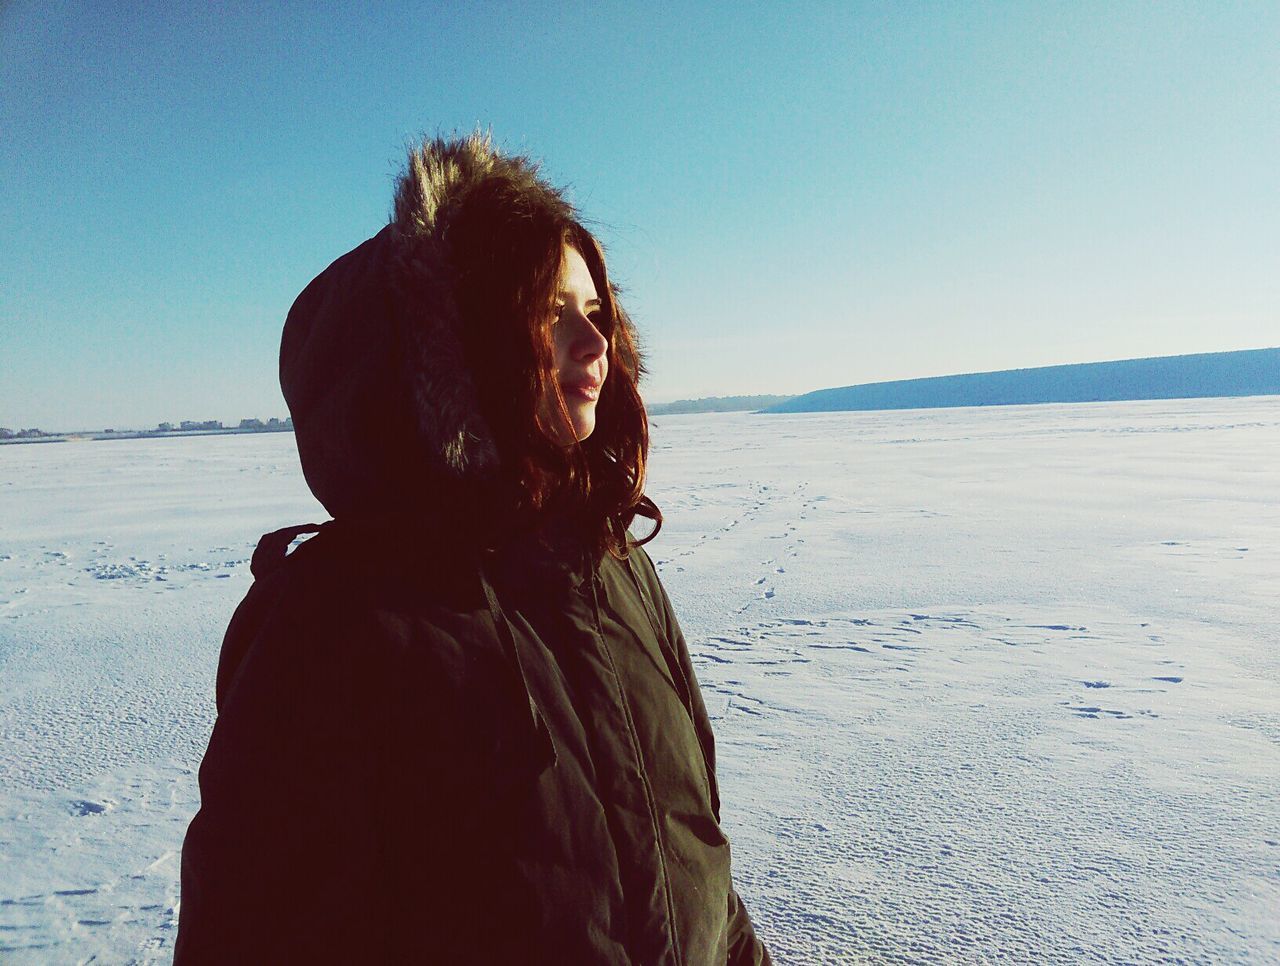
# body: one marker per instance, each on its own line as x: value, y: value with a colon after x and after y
x: 589, y: 342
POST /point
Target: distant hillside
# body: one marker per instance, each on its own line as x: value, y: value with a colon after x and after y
x: 1251, y: 372
x: 717, y: 404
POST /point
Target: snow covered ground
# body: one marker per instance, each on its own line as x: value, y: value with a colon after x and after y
x: 990, y: 685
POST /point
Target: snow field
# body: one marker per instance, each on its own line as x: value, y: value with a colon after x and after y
x: 993, y: 685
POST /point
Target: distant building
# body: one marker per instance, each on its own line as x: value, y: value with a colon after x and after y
x: 6, y: 433
x: 164, y: 428
x: 252, y: 424
x: 188, y: 425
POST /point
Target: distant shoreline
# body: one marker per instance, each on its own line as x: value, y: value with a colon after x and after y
x: 88, y: 437
x: 1205, y: 375
x: 1208, y: 375
x: 85, y: 437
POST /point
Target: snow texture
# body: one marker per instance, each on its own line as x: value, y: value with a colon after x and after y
x: 989, y: 685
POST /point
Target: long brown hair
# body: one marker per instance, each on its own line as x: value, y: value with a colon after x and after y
x: 507, y: 244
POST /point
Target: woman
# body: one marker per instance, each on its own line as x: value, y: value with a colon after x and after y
x: 460, y: 724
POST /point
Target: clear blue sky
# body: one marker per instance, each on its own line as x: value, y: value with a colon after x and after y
x: 795, y: 197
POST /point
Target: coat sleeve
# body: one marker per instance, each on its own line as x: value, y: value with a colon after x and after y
x: 279, y: 863
x: 745, y: 947
x: 295, y: 853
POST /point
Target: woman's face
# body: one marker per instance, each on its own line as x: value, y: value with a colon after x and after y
x: 581, y: 349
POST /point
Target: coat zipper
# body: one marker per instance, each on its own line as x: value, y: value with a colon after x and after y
x: 650, y: 799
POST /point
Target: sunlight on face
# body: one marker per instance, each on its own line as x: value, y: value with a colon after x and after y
x: 581, y: 349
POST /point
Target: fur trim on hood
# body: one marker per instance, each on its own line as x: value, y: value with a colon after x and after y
x: 372, y: 364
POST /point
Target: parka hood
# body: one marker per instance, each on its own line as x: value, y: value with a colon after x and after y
x: 372, y: 363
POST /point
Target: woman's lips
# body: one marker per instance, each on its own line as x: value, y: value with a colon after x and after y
x: 589, y: 391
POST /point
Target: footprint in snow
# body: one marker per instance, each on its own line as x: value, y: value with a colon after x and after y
x: 1090, y: 711
x: 705, y: 656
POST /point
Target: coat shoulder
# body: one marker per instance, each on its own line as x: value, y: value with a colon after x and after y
x: 337, y: 607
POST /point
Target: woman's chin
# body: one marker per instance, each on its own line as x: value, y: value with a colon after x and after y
x: 583, y: 419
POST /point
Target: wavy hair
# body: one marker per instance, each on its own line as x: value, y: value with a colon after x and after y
x: 507, y: 244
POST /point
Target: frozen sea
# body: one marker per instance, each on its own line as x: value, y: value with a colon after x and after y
x: 990, y: 685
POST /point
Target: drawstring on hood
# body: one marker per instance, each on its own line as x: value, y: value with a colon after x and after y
x: 273, y: 547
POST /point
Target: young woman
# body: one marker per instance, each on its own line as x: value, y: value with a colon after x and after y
x: 460, y: 724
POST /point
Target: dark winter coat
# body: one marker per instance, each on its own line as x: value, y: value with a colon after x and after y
x: 431, y: 747
x: 403, y: 772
